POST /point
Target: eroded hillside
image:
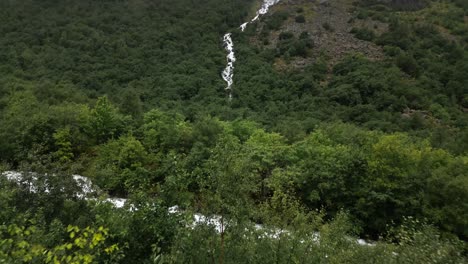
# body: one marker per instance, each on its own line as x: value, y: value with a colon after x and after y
x: 325, y: 27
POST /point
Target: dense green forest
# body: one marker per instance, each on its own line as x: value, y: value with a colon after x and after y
x: 321, y: 144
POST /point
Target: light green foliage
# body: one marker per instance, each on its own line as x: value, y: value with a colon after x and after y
x: 16, y: 247
x: 395, y: 178
x: 228, y: 180
x: 19, y: 244
x: 120, y: 165
x: 242, y: 129
x: 22, y: 123
x: 104, y: 121
x: 332, y: 242
x: 448, y: 195
x: 327, y: 173
x: 163, y: 132
x: 419, y: 242
x: 265, y: 151
x: 64, y: 146
x: 284, y: 209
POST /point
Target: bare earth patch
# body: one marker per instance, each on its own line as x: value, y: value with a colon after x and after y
x: 328, y: 23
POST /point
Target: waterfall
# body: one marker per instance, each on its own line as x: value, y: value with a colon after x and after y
x: 228, y: 72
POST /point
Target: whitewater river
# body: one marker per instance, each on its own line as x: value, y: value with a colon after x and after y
x: 89, y: 191
x: 228, y: 72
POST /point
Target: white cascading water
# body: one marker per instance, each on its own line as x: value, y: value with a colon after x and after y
x: 88, y: 191
x: 86, y: 187
x: 228, y: 73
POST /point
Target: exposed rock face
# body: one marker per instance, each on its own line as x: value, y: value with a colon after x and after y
x: 338, y: 41
x: 328, y: 24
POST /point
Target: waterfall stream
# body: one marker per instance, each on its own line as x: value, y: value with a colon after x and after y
x: 228, y: 72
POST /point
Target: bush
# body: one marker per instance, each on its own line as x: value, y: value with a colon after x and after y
x: 328, y: 27
x: 362, y: 15
x: 304, y: 35
x: 407, y: 64
x: 300, y: 19
x: 363, y: 33
x: 286, y: 35
x: 275, y: 21
x: 299, y: 49
x: 391, y: 51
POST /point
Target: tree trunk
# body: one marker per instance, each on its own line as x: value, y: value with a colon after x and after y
x: 221, y: 254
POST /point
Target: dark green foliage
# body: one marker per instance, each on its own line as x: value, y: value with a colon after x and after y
x: 363, y: 33
x: 129, y: 93
x: 286, y: 35
x: 290, y: 46
x: 300, y: 19
x: 401, y: 5
x: 328, y: 27
x: 397, y: 36
x: 408, y: 5
x: 275, y: 21
x: 96, y: 48
x: 462, y: 4
x: 407, y: 64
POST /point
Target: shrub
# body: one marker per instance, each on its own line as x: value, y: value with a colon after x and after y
x: 328, y: 27
x: 286, y: 35
x: 362, y: 15
x: 276, y: 20
x: 407, y: 64
x: 300, y: 19
x: 304, y: 35
x: 363, y: 33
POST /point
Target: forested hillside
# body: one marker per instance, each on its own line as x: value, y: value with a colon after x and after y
x: 348, y: 120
